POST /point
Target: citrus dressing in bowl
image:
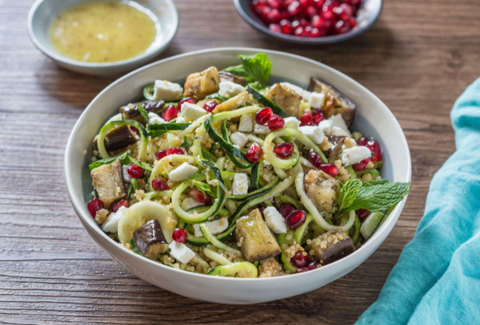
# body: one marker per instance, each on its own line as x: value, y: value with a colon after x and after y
x: 99, y: 32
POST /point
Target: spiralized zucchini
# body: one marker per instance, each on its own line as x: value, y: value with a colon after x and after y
x: 109, y: 126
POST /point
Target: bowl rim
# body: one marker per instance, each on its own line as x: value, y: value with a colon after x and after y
x: 65, y: 60
x: 77, y: 202
x: 306, y: 40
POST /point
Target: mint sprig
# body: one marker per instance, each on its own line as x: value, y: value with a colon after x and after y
x: 257, y: 67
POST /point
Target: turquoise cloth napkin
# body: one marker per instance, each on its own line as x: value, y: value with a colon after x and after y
x: 437, y: 278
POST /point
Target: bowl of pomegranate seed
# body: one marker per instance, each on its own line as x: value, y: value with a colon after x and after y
x: 224, y: 173
x: 310, y: 21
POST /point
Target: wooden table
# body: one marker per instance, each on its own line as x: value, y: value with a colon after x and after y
x: 418, y: 59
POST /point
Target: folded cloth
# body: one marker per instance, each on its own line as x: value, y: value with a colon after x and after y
x: 437, y: 278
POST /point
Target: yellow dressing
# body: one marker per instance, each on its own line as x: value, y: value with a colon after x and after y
x: 102, y: 32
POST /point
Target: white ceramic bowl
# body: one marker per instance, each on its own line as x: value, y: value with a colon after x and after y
x: 44, y: 11
x: 373, y: 119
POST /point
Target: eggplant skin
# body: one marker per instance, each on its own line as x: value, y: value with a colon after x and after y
x: 227, y: 76
x: 131, y: 111
x: 149, y: 239
x: 117, y: 139
x: 332, y: 246
x: 336, y: 102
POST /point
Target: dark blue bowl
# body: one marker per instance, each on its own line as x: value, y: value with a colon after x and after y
x: 367, y: 15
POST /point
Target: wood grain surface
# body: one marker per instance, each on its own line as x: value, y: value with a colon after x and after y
x: 418, y: 59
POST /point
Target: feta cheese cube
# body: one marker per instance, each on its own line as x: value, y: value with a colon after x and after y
x: 337, y: 120
x: 240, y: 184
x: 246, y: 123
x: 230, y: 89
x: 180, y: 119
x: 215, y: 227
x: 192, y: 111
x: 292, y: 122
x: 317, y: 100
x: 239, y: 139
x: 326, y: 126
x: 181, y: 252
x: 261, y: 129
x: 117, y: 117
x: 299, y: 90
x: 167, y: 90
x: 126, y: 176
x: 182, y: 172
x: 111, y: 225
x: 155, y: 119
x: 355, y: 155
x: 274, y: 220
x: 339, y: 131
x: 313, y: 132
x: 190, y: 203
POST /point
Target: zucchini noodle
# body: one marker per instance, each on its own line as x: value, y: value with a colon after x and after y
x: 109, y: 126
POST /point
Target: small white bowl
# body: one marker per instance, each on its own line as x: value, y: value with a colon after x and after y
x: 44, y: 11
x: 373, y: 119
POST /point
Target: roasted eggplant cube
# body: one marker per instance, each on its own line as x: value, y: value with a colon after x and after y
x: 332, y: 246
x: 200, y: 84
x: 337, y: 103
x: 117, y: 139
x: 337, y: 142
x: 149, y: 239
x: 257, y: 241
x: 108, y: 182
x: 286, y: 98
x: 131, y: 111
x: 227, y: 76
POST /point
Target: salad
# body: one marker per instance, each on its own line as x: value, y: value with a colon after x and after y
x: 229, y: 175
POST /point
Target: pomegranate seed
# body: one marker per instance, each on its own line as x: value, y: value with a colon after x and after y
x: 300, y: 259
x: 312, y: 265
x: 254, y: 152
x: 134, y: 129
x: 263, y: 115
x: 329, y: 169
x: 274, y: 4
x: 284, y: 150
x: 94, y: 205
x: 318, y: 115
x: 135, y: 171
x: 210, y: 105
x: 120, y: 203
x: 287, y: 3
x: 183, y: 101
x: 286, y: 27
x: 160, y: 154
x: 344, y: 11
x: 294, y: 8
x: 295, y: 24
x: 362, y: 141
x: 276, y: 122
x: 328, y: 14
x: 199, y: 196
x: 175, y: 151
x: 295, y: 219
x: 304, y: 23
x: 355, y: 2
x: 319, y: 3
x: 312, y: 11
x: 306, y: 3
x: 316, y: 32
x: 265, y: 12
x: 299, y: 31
x: 315, y: 159
x: 341, y: 27
x: 321, y: 23
x: 306, y: 119
x: 374, y: 147
x: 353, y: 22
x: 274, y: 16
x: 275, y: 28
x: 258, y: 8
x: 362, y: 214
x: 302, y: 269
x: 179, y: 235
x: 159, y: 184
x: 285, y: 209
x: 170, y: 113
x: 307, y: 31
x: 361, y: 165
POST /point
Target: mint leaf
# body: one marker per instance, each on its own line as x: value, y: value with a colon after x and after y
x: 379, y: 195
x: 348, y: 193
x: 257, y: 66
x: 157, y: 130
